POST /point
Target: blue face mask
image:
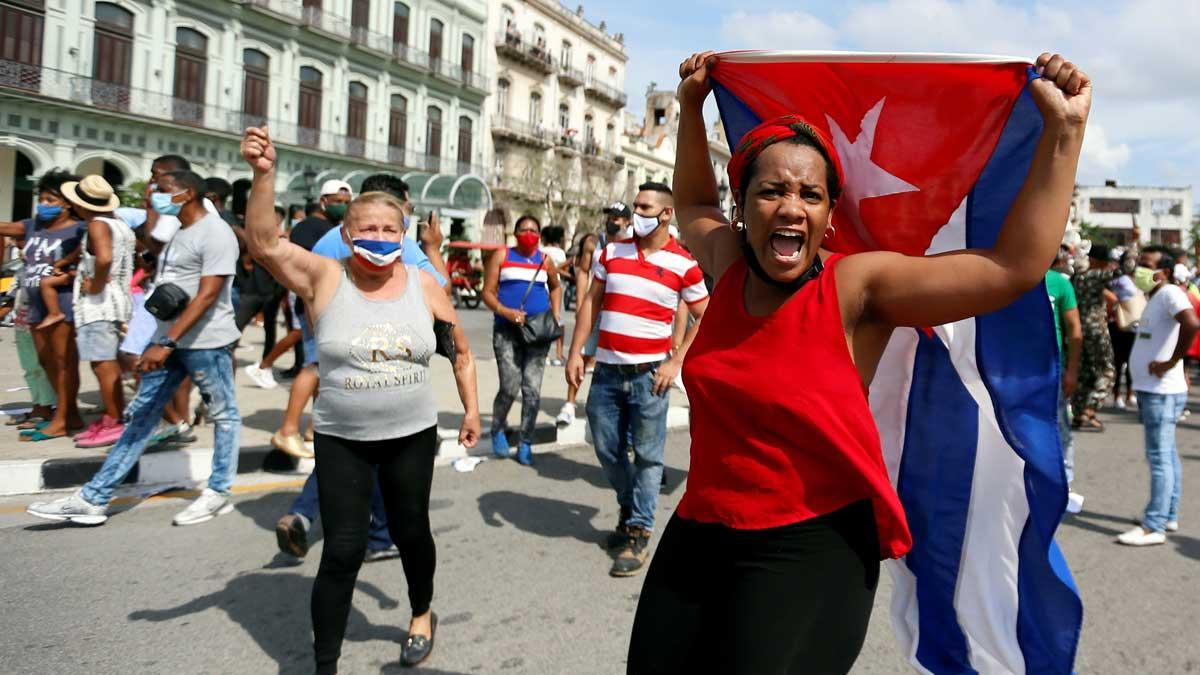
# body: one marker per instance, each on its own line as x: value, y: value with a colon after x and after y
x: 377, y: 253
x: 161, y: 202
x: 48, y: 211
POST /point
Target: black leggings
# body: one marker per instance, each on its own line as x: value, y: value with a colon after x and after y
x: 345, y: 484
x: 791, y: 599
x: 1122, y: 342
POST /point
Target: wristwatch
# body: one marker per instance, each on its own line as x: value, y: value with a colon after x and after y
x: 167, y: 342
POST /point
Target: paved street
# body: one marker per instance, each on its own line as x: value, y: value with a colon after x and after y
x: 521, y: 583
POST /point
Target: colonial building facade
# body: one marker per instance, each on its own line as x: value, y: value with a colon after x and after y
x: 346, y: 87
x: 554, y: 113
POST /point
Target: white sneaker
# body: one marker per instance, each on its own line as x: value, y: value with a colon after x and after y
x: 207, y: 506
x: 1074, y: 502
x: 1172, y: 526
x: 1120, y: 404
x: 1140, y: 537
x: 566, y: 416
x: 261, y: 377
x: 74, y: 509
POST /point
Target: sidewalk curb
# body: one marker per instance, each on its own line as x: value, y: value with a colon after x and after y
x: 192, y: 464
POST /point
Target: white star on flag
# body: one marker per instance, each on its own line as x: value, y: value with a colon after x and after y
x: 864, y: 178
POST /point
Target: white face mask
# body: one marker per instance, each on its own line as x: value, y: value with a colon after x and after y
x: 643, y: 226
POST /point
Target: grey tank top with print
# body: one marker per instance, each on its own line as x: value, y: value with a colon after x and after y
x: 373, y: 357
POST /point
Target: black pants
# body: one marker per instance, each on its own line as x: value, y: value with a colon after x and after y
x: 345, y: 484
x: 1122, y: 342
x: 792, y: 599
x: 250, y: 304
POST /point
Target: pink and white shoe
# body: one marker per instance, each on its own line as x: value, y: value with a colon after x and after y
x: 108, y: 434
x: 86, y: 435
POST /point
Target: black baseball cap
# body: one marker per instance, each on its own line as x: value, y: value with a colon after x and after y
x: 618, y: 209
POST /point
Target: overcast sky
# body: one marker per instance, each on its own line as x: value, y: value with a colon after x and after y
x: 1145, y: 123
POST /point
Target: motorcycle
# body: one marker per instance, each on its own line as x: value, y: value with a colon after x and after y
x: 466, y: 288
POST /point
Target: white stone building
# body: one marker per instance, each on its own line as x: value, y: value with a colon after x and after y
x: 347, y: 88
x: 649, y: 147
x: 1163, y: 214
x: 554, y: 113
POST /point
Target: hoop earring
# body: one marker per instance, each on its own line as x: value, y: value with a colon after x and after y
x: 737, y: 226
x: 830, y: 231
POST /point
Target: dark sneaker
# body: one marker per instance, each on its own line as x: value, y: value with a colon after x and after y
x: 291, y: 533
x: 632, y: 557
x: 620, y: 536
x: 377, y: 554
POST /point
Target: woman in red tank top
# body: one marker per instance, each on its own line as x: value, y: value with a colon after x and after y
x: 770, y: 563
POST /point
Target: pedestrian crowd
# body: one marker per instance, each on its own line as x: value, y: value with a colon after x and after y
x: 771, y: 561
x: 1128, y: 315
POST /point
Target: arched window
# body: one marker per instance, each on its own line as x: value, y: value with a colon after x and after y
x: 502, y: 98
x: 436, y: 30
x: 589, y: 130
x: 590, y: 69
x: 356, y: 118
x: 535, y: 109
x: 468, y: 55
x: 397, y: 128
x: 256, y: 73
x: 191, y: 70
x: 610, y: 133
x: 508, y: 18
x: 464, y: 144
x: 564, y: 55
x: 433, y: 138
x: 564, y: 117
x: 360, y: 15
x: 112, y: 56
x: 310, y: 106
x: 400, y: 23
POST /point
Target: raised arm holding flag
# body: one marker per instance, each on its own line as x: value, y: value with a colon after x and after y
x: 871, y: 192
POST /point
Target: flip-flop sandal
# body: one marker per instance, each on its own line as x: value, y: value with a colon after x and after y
x: 29, y: 431
x: 18, y: 419
x: 1092, y: 424
x: 37, y: 437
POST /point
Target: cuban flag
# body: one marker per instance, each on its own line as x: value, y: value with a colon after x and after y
x: 934, y: 149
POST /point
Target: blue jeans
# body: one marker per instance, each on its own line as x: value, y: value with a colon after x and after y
x: 308, y: 504
x: 622, y: 409
x: 212, y: 372
x: 1064, y: 433
x: 1159, y: 413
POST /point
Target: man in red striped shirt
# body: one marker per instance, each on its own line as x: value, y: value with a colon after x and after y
x: 637, y: 286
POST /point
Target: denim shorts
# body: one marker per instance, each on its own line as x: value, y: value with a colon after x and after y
x: 310, y: 342
x: 98, y: 341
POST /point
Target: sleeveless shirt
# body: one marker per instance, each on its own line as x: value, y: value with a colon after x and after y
x: 115, y: 302
x: 515, y: 272
x: 781, y: 427
x: 373, y: 358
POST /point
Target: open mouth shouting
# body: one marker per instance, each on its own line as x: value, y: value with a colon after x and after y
x: 787, y: 245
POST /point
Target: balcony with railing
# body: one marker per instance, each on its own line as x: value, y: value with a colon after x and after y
x: 520, y: 48
x: 569, y: 76
x: 288, y: 9
x: 594, y: 151
x: 326, y: 22
x: 605, y: 93
x: 106, y: 97
x: 566, y: 143
x: 512, y: 129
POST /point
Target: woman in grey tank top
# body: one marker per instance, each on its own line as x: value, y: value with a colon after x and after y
x: 374, y: 321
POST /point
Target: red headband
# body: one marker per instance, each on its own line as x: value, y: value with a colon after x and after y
x: 772, y: 131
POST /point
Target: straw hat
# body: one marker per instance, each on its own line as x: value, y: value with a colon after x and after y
x: 92, y: 193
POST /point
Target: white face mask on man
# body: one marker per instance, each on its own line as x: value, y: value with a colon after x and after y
x: 644, y: 226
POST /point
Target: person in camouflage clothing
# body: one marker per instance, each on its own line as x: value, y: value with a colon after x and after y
x: 1096, y: 369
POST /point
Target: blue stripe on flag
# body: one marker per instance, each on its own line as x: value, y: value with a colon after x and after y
x: 1018, y: 360
x: 934, y: 483
x: 735, y: 115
